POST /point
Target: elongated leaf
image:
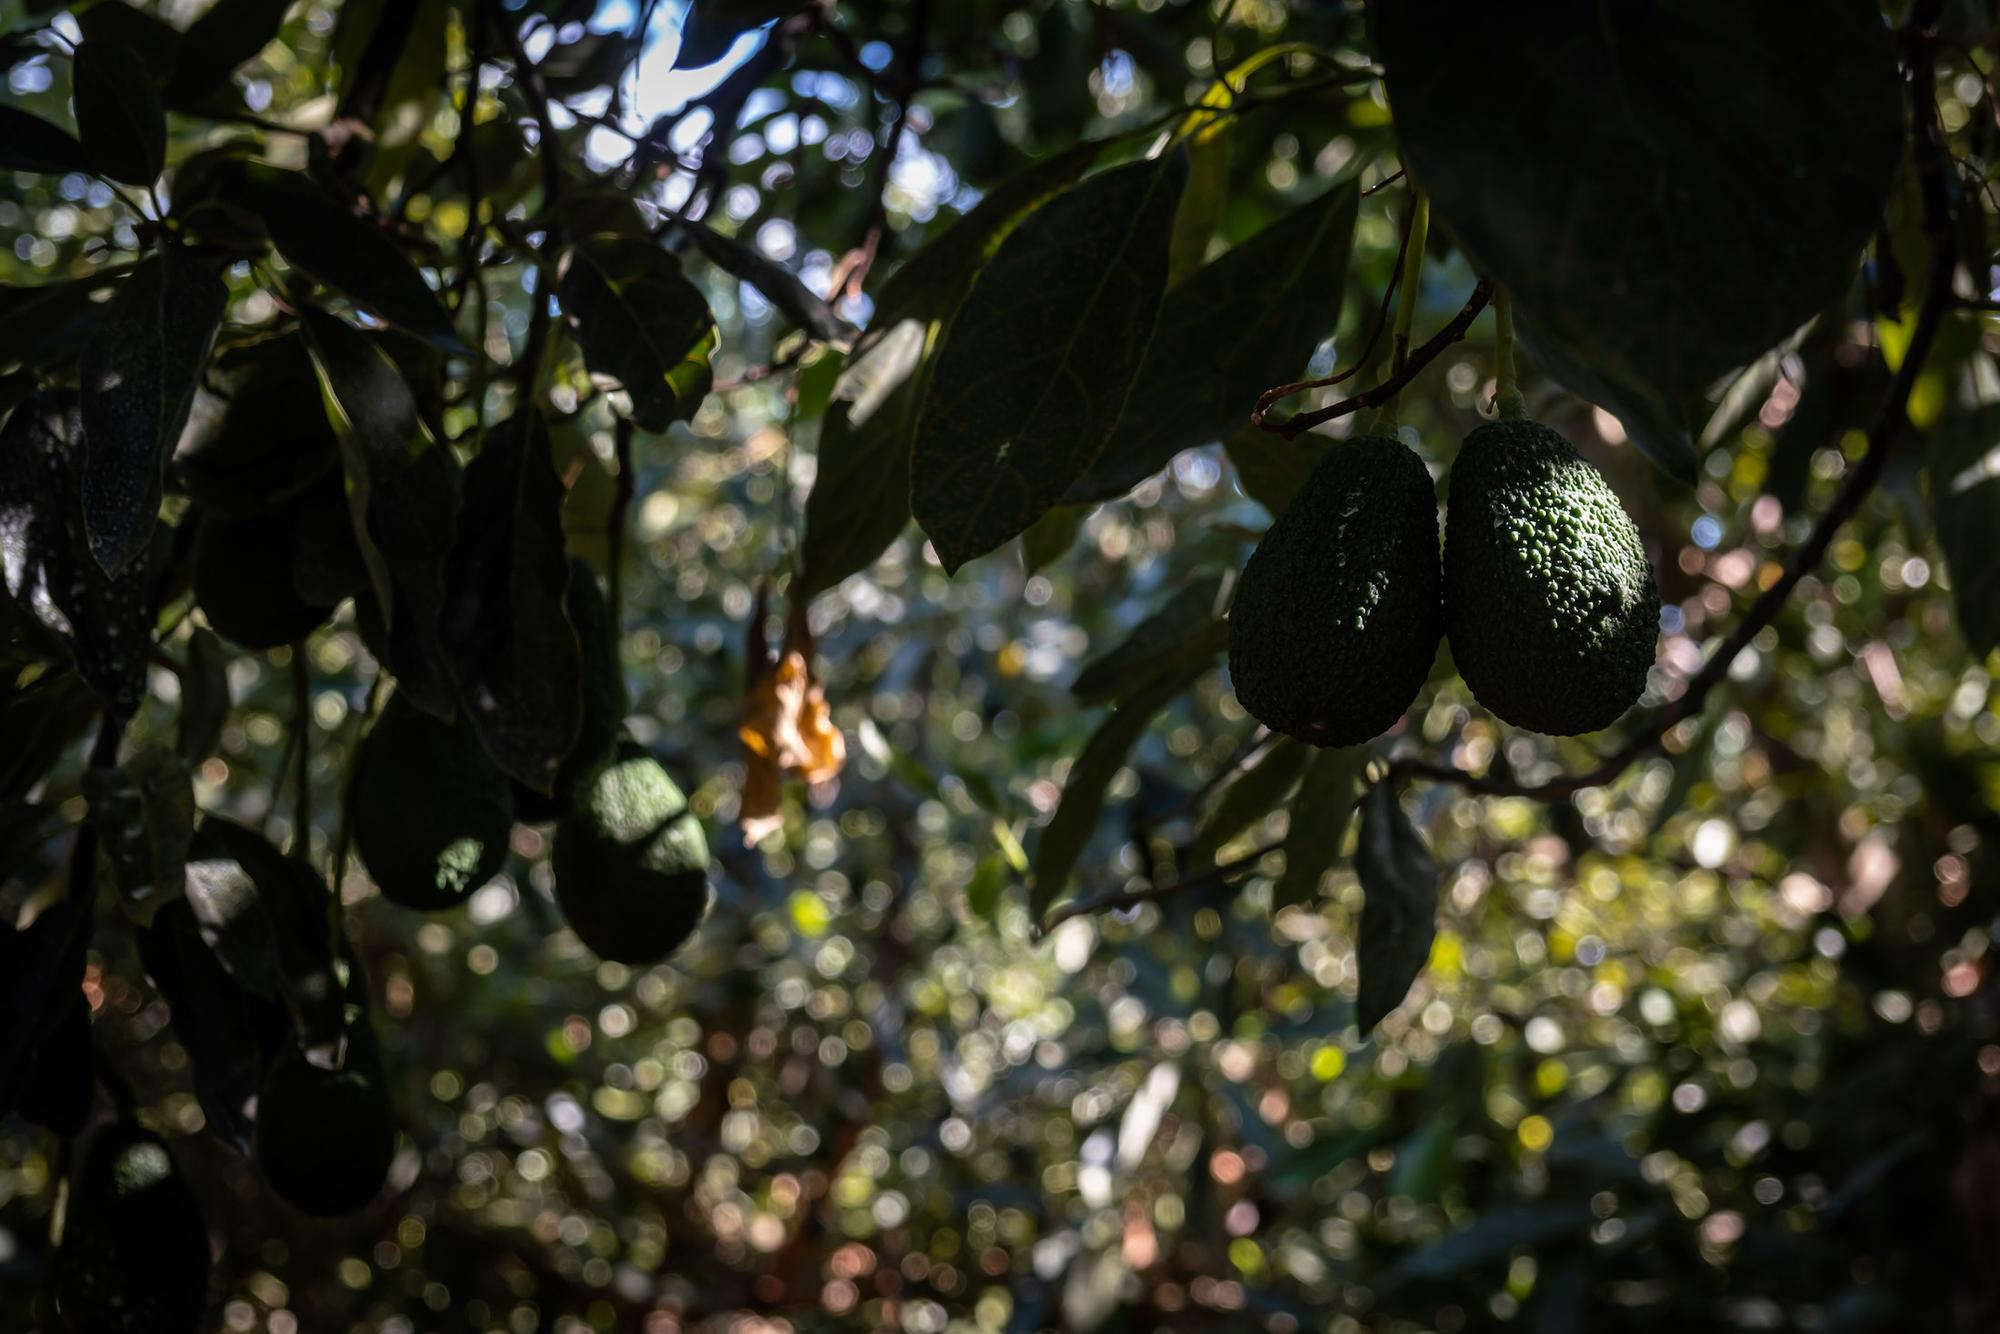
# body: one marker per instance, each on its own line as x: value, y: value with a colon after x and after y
x: 143, y: 811
x: 205, y: 700
x: 320, y: 236
x: 1964, y: 471
x: 1066, y: 834
x: 1247, y: 321
x: 139, y: 372
x: 1185, y: 627
x: 1269, y: 468
x: 1035, y: 370
x: 1251, y: 795
x: 642, y: 323
x: 1050, y: 537
x: 41, y: 972
x: 1320, y: 814
x: 1570, y: 147
x: 1399, y: 916
x: 861, y: 498
x: 29, y: 143
x: 779, y: 285
x: 513, y: 650
x: 266, y: 917
x: 118, y: 113
x: 403, y: 496
x: 48, y: 324
x: 229, y: 33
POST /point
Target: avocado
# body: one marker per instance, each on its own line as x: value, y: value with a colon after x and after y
x: 631, y: 864
x: 133, y: 1257
x: 325, y: 1138
x: 1549, y: 599
x: 431, y: 812
x: 603, y: 697
x: 243, y: 581
x: 1336, y: 619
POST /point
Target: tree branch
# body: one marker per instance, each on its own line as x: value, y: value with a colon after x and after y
x: 1890, y: 421
x: 1218, y: 874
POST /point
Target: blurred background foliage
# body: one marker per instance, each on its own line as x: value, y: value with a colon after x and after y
x: 1711, y: 1048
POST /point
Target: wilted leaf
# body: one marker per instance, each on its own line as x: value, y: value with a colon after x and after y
x: 118, y: 113
x: 1320, y: 814
x: 143, y: 812
x: 1247, y: 321
x: 513, y: 650
x: 1188, y: 627
x: 29, y: 143
x: 786, y: 726
x: 860, y: 499
x: 324, y: 238
x: 1251, y: 795
x: 1566, y: 146
x: 402, y: 493
x: 642, y: 323
x: 139, y: 371
x: 1399, y: 914
x: 1964, y: 469
x: 1033, y: 374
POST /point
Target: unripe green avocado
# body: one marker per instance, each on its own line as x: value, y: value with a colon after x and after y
x: 631, y: 863
x: 432, y: 814
x: 325, y: 1138
x: 134, y: 1252
x: 1336, y: 619
x: 1549, y: 599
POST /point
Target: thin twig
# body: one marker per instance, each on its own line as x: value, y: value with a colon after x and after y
x: 1253, y: 745
x: 1132, y: 898
x: 549, y: 147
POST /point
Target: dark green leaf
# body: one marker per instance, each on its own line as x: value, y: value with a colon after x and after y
x: 1496, y: 1234
x: 139, y: 371
x: 118, y: 114
x: 1667, y: 189
x: 1185, y: 627
x: 257, y: 444
x: 402, y: 492
x: 1066, y: 834
x: 779, y: 285
x: 143, y: 812
x: 63, y: 1082
x: 1251, y: 795
x: 47, y: 325
x: 38, y: 723
x: 1320, y: 814
x: 1247, y: 321
x: 325, y: 239
x: 982, y: 892
x: 712, y: 27
x: 29, y: 143
x: 1659, y: 424
x: 1050, y: 537
x: 153, y: 41
x: 1399, y: 916
x: 860, y: 500
x: 1270, y: 468
x: 41, y: 971
x: 641, y: 322
x: 266, y: 916
x: 513, y: 650
x: 1965, y: 503
x: 1033, y: 374
x: 229, y: 33
x: 205, y: 700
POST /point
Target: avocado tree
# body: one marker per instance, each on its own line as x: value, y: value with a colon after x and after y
x: 1006, y: 664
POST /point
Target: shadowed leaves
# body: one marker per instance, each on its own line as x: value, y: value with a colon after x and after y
x: 641, y: 323
x: 118, y: 113
x: 1399, y: 914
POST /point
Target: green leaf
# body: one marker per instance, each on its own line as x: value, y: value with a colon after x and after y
x: 1667, y: 189
x: 515, y: 655
x: 1964, y: 470
x: 402, y: 496
x: 1034, y: 372
x: 1187, y: 627
x: 1251, y: 795
x: 1247, y: 321
x: 29, y: 143
x: 1399, y: 917
x: 1320, y: 814
x: 205, y: 702
x: 1066, y: 834
x: 139, y: 371
x: 1270, y: 468
x: 982, y: 892
x: 262, y: 451
x: 1659, y: 424
x: 143, y: 812
x: 642, y: 323
x: 323, y: 238
x: 1493, y: 1236
x: 861, y: 498
x: 48, y: 324
x: 229, y: 33
x: 1050, y: 537
x: 118, y: 113
x: 41, y: 971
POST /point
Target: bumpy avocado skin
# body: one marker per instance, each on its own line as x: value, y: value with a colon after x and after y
x: 325, y: 1138
x: 134, y: 1252
x: 1549, y: 599
x: 432, y: 815
x: 631, y: 862
x: 1336, y: 619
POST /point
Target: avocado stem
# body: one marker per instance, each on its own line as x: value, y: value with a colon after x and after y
x: 1508, y: 402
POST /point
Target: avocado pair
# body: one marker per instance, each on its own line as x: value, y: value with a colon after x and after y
x: 433, y: 815
x: 1543, y: 589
